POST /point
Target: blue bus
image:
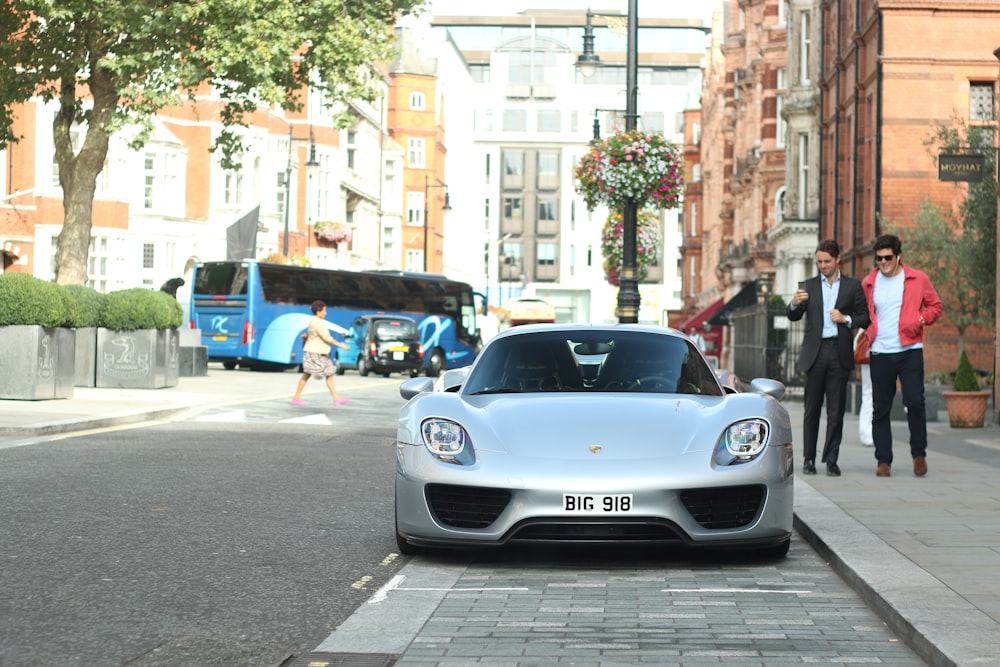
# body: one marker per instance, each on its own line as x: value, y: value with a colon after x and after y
x: 252, y: 314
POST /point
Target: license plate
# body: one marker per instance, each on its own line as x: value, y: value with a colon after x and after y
x: 576, y: 503
x: 398, y: 356
x: 218, y: 338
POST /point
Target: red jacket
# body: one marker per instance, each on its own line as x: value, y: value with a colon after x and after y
x: 921, y: 305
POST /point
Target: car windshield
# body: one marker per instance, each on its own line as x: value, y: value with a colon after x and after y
x: 626, y: 361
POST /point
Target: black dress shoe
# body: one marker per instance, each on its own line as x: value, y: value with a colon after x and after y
x: 808, y: 467
x: 832, y: 470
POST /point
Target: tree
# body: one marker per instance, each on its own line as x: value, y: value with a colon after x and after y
x: 959, y: 254
x: 109, y: 64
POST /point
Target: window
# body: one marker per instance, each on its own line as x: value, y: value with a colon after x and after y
x: 547, y: 207
x: 279, y: 193
x: 693, y: 230
x: 548, y: 170
x: 515, y: 120
x: 480, y: 73
x: 418, y: 101
x: 416, y: 152
x: 696, y: 172
x: 653, y: 121
x: 97, y: 263
x: 548, y: 121
x: 803, y: 174
x: 486, y: 212
x: 414, y: 260
x: 781, y: 127
x: 233, y: 188
x: 147, y: 256
x: 487, y: 168
x: 546, y: 254
x: 512, y: 208
x: 531, y: 67
x: 415, y: 208
x: 981, y: 101
x: 513, y: 163
x: 351, y: 149
x: 804, y: 43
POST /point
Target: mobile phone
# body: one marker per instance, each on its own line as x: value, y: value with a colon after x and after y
x: 802, y: 284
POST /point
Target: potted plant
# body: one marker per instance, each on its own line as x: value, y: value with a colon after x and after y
x: 643, y: 166
x: 966, y: 403
x: 88, y: 302
x: 37, y: 345
x: 137, y: 340
x: 647, y: 244
x: 332, y: 233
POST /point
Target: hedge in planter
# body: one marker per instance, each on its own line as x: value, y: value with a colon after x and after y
x: 89, y: 302
x: 138, y: 339
x: 37, y: 351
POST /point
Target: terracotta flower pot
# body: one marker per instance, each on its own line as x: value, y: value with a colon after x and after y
x: 967, y: 409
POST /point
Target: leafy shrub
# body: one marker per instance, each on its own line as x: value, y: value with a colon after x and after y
x: 965, y: 377
x: 88, y: 304
x: 25, y: 299
x: 140, y: 308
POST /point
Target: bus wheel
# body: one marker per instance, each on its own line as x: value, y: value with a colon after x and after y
x: 436, y: 364
x: 229, y: 365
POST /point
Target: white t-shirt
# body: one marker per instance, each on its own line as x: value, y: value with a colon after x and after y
x: 888, y: 298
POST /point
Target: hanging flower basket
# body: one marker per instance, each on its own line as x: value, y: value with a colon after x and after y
x: 642, y: 165
x: 647, y: 243
x: 332, y: 232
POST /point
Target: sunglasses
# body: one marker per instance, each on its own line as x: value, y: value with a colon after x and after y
x: 884, y: 258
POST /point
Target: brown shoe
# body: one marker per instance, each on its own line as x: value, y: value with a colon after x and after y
x: 919, y: 466
x: 883, y: 470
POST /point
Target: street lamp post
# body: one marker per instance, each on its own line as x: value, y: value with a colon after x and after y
x: 628, y: 287
x: 447, y: 207
x: 288, y: 175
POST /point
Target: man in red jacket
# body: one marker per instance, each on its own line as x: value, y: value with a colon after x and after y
x: 901, y: 302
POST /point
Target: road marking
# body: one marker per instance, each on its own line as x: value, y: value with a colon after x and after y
x: 319, y: 418
x: 228, y: 416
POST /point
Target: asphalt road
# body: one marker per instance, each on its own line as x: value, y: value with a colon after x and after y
x: 207, y: 543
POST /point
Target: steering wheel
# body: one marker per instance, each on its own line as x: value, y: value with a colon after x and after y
x: 654, y: 383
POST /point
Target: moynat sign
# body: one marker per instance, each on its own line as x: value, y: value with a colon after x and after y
x: 961, y: 168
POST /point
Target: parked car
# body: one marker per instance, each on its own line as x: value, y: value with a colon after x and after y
x: 382, y: 344
x: 583, y: 433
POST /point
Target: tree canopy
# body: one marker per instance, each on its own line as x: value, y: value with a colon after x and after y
x: 959, y: 254
x: 114, y: 63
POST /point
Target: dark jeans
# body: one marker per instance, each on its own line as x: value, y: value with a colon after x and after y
x: 825, y: 379
x: 908, y: 366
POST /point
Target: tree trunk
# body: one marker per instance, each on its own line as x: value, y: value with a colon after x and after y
x: 78, y: 174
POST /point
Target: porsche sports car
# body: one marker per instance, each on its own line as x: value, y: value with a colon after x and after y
x: 587, y: 433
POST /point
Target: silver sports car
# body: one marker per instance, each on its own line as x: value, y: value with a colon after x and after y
x: 588, y: 433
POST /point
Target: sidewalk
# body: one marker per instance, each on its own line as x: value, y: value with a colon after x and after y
x: 923, y: 552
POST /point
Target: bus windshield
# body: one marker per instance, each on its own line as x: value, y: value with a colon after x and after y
x: 252, y: 313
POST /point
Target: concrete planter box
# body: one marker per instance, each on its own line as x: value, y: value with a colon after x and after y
x: 38, y: 363
x: 143, y: 359
x: 86, y: 357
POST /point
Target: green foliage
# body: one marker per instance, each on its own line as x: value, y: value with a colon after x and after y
x: 140, y: 308
x: 88, y: 302
x: 113, y: 64
x: 959, y: 254
x: 25, y: 299
x: 965, y: 377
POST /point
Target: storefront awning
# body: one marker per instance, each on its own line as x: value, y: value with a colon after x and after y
x: 747, y: 296
x: 699, y: 318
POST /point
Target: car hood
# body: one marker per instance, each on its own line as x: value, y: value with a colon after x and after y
x: 566, y: 427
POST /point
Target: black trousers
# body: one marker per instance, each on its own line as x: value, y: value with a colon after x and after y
x: 826, y: 380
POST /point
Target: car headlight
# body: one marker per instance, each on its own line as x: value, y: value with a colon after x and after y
x: 742, y: 442
x: 448, y: 441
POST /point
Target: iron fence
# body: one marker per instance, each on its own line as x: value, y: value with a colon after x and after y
x: 766, y: 344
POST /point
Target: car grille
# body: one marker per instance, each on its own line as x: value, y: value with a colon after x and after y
x: 589, y: 530
x: 724, y: 507
x: 466, y: 506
